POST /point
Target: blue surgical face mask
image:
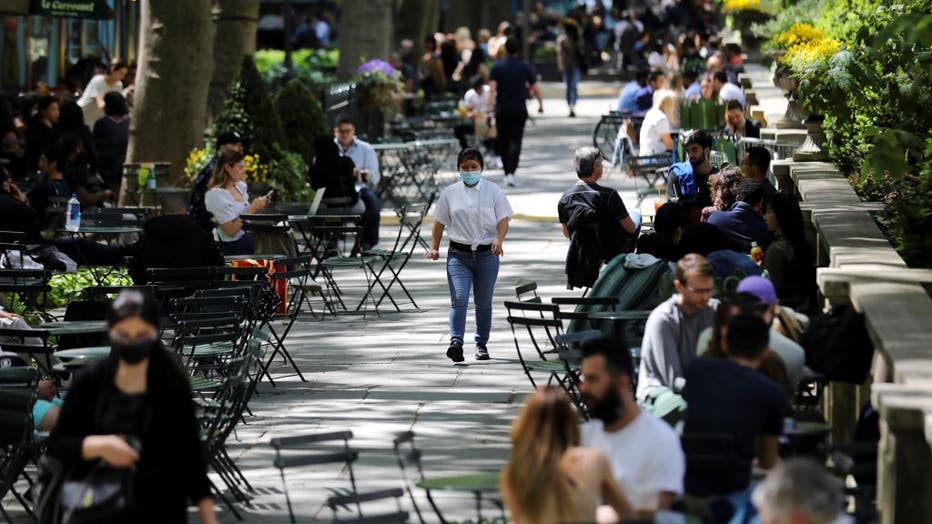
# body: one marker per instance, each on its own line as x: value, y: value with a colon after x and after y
x: 470, y: 178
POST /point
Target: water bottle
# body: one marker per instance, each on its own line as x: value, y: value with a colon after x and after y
x: 757, y: 254
x: 150, y: 183
x: 73, y: 218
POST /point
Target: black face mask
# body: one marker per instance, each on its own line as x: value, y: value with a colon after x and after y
x: 132, y: 352
x: 608, y: 409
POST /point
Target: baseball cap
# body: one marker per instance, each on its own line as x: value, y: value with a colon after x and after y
x: 760, y: 287
x: 229, y: 137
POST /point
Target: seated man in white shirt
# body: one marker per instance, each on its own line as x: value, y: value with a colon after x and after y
x: 726, y: 90
x: 475, y: 102
x: 367, y: 168
x: 645, y: 452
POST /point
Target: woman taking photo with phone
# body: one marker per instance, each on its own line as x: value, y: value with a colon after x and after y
x: 475, y: 212
x: 227, y: 199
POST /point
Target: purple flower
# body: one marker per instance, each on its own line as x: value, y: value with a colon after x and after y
x: 376, y: 65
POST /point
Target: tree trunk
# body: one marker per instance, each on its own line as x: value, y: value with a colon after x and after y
x: 174, y: 73
x: 365, y: 33
x: 415, y: 19
x: 234, y: 37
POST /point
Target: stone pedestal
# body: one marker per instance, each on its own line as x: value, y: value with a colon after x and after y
x: 904, y: 482
x: 811, y: 149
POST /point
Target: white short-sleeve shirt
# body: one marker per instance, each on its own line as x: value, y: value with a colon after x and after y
x: 646, y: 456
x: 655, y: 125
x: 471, y: 214
x: 477, y: 101
x: 731, y: 91
x: 96, y: 87
x: 225, y: 208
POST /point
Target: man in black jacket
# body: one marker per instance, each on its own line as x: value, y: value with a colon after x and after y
x: 173, y: 239
x: 595, y: 220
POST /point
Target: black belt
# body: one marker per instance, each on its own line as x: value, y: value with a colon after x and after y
x: 466, y: 247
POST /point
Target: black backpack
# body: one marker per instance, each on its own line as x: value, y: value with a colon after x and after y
x: 196, y: 207
x: 838, y: 345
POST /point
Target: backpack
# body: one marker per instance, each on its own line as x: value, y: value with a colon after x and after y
x: 685, y: 182
x: 196, y: 207
x: 838, y: 345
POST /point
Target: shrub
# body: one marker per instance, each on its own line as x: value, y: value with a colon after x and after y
x: 290, y: 177
x: 875, y: 97
x: 302, y: 118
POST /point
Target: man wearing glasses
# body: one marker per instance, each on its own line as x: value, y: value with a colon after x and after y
x: 367, y: 174
x: 673, y: 327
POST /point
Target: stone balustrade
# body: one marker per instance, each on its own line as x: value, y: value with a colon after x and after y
x: 858, y: 266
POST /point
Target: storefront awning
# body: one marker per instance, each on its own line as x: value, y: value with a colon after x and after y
x: 91, y: 9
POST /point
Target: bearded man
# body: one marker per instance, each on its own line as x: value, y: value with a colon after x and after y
x: 644, y: 451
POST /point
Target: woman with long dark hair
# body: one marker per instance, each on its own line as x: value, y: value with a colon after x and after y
x: 549, y: 478
x: 133, y: 412
x: 788, y: 259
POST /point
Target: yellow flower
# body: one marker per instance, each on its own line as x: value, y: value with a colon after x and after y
x: 799, y: 34
x: 742, y: 5
x: 811, y: 53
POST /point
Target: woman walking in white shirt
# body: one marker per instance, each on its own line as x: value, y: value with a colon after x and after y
x: 92, y: 99
x: 475, y: 213
x: 227, y: 199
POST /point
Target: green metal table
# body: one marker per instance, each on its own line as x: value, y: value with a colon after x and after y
x: 75, y: 327
x: 80, y: 357
x: 475, y: 483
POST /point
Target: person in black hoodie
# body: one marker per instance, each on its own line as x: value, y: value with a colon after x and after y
x: 173, y: 239
x: 335, y: 172
x: 135, y: 409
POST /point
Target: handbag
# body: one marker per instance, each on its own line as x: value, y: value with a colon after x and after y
x: 105, y: 493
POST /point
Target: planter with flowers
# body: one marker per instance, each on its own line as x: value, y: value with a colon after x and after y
x: 378, y: 92
x: 808, y: 56
x: 792, y: 48
x: 743, y: 14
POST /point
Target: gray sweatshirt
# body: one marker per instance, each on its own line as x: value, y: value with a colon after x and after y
x: 669, y: 344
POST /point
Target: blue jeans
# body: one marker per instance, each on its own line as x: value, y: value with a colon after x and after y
x: 478, y: 271
x: 571, y: 76
x: 244, y: 245
x: 370, y: 226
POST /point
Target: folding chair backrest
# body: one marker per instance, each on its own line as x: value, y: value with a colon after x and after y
x: 18, y: 377
x: 202, y: 304
x: 186, y: 274
x: 310, y: 456
x: 110, y: 292
x: 242, y: 273
x: 26, y: 341
x: 296, y: 271
x: 539, y: 323
x: 16, y: 425
x: 523, y: 290
x: 116, y: 216
x: 409, y: 461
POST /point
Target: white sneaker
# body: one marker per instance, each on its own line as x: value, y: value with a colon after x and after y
x: 510, y: 180
x: 497, y: 163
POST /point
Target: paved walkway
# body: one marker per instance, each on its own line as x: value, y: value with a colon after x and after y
x: 381, y: 376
